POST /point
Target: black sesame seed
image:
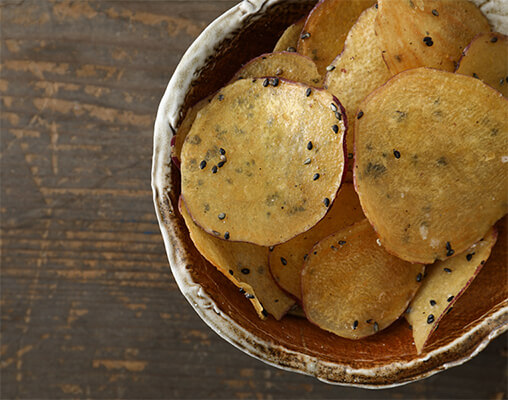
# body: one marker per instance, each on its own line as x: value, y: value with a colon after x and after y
x: 451, y: 308
x: 330, y: 68
x: 475, y: 75
x: 419, y: 277
x: 275, y: 82
x: 264, y: 313
x: 221, y: 97
x: 220, y: 164
x: 333, y: 247
x: 283, y: 261
x: 396, y: 154
x: 408, y: 310
x: 432, y: 302
x: 315, y: 253
x: 501, y: 81
x: 222, y: 151
x: 249, y: 296
x: 376, y: 6
x: 309, y: 146
x: 305, y: 257
x: 376, y: 327
x: 428, y: 41
x: 450, y: 253
x: 226, y: 236
x: 214, y: 169
x: 326, y: 202
x: 338, y: 115
x: 315, y: 177
x: 231, y: 272
x: 202, y: 164
x: 333, y: 107
x: 360, y: 115
x: 350, y: 156
x: 483, y: 262
x: 305, y: 35
x: 448, y: 270
x: 469, y: 256
x: 335, y: 128
x: 241, y: 290
x: 450, y: 298
x: 291, y: 49
x: 448, y: 246
x: 369, y: 321
x: 221, y: 216
x: 494, y: 39
x: 342, y: 242
x: 266, y: 82
x: 308, y: 92
x: 307, y: 161
x: 430, y: 319
x: 245, y: 271
x: 271, y: 248
x: 435, y: 13
x: 216, y: 233
x: 355, y: 324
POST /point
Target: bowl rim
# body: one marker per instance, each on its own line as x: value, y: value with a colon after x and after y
x: 490, y: 326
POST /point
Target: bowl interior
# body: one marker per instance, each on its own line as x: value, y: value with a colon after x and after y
x: 293, y: 341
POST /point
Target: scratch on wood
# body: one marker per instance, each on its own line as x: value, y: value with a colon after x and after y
x: 129, y: 365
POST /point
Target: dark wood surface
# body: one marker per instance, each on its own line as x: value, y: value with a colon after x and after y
x: 89, y: 306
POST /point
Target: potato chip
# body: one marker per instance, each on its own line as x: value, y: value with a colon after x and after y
x: 263, y: 161
x: 291, y: 66
x: 352, y: 287
x: 246, y: 265
x: 426, y: 33
x: 486, y: 58
x: 358, y: 70
x: 286, y: 259
x: 186, y: 125
x: 444, y: 283
x: 289, y: 39
x: 323, y: 35
x: 431, y: 165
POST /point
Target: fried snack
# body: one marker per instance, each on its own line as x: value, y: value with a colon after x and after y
x: 352, y: 287
x: 263, y: 161
x: 431, y: 167
x: 426, y: 33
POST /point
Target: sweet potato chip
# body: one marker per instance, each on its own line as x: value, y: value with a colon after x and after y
x: 291, y: 66
x: 426, y: 33
x: 263, y: 161
x: 289, y: 39
x: 286, y: 259
x: 431, y: 164
x: 443, y: 285
x: 486, y: 58
x: 186, y: 125
x: 359, y: 69
x: 244, y: 264
x: 323, y: 35
x: 352, y: 287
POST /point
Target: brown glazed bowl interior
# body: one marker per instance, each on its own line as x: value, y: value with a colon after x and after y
x: 386, y: 359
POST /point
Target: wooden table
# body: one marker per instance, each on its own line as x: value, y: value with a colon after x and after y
x: 89, y: 306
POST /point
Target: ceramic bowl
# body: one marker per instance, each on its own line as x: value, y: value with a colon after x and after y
x: 386, y: 359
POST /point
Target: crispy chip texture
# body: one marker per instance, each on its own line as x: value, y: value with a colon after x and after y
x: 426, y: 33
x: 445, y: 282
x: 286, y: 259
x: 186, y: 125
x: 486, y: 58
x: 326, y: 28
x: 359, y: 69
x: 244, y: 264
x: 290, y: 66
x: 431, y: 165
x: 352, y: 287
x: 289, y: 39
x: 263, y: 160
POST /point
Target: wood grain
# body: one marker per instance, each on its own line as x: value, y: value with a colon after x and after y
x: 89, y: 306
